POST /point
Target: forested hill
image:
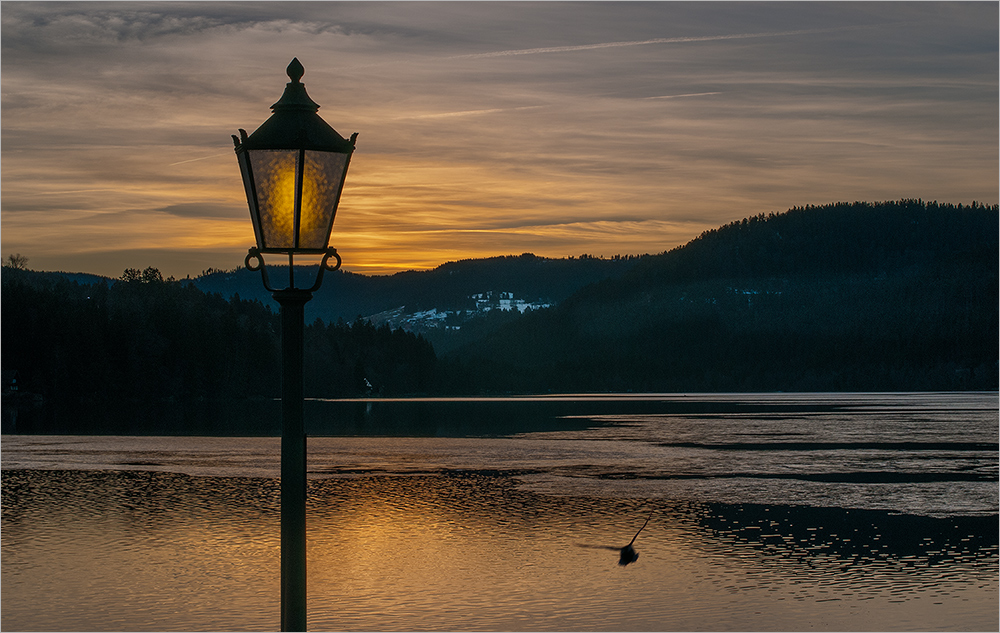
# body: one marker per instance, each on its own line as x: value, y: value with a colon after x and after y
x: 448, y: 287
x: 863, y: 296
x: 841, y: 238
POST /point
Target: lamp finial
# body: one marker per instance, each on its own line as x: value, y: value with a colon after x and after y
x: 295, y: 70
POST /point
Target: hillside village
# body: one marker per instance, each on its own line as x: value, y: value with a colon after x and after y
x: 482, y: 303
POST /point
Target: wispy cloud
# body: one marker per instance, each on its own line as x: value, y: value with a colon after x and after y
x: 66, y: 192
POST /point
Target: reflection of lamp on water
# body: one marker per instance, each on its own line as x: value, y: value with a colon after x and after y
x: 293, y: 166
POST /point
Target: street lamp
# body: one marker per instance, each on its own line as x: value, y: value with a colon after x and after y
x: 293, y: 167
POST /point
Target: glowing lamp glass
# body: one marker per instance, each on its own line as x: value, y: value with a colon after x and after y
x: 293, y: 196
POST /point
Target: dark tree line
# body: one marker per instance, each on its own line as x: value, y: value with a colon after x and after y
x: 146, y: 344
x: 359, y: 359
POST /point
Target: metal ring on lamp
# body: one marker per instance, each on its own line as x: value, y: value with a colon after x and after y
x: 331, y: 252
x: 254, y: 254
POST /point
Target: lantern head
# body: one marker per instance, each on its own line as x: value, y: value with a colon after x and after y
x: 294, y: 166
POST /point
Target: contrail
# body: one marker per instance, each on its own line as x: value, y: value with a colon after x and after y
x: 587, y: 47
x: 659, y: 40
x: 465, y: 113
x: 691, y: 94
x: 191, y: 160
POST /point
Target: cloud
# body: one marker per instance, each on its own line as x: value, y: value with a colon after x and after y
x: 487, y: 128
x: 204, y: 210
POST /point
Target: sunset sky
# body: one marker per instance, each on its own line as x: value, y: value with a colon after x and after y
x: 485, y: 128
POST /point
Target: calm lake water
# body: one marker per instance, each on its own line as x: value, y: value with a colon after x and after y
x: 769, y: 512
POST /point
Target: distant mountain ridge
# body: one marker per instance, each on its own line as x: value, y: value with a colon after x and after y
x: 453, y: 286
x: 849, y: 296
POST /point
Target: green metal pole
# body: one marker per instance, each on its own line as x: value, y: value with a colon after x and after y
x: 293, y: 461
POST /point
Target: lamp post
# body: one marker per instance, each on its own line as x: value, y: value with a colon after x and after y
x: 293, y: 167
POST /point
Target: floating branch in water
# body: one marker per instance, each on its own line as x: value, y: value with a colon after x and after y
x: 626, y: 554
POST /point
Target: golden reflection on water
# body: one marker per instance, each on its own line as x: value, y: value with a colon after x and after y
x: 470, y: 551
x: 477, y: 553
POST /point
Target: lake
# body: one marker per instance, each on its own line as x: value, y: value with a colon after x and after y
x: 768, y: 512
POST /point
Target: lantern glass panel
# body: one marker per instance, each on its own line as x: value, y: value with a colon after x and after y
x: 322, y: 180
x: 274, y: 177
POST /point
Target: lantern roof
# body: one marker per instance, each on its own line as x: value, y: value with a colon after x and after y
x: 295, y: 124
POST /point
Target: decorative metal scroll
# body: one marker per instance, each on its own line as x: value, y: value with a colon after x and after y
x: 254, y: 253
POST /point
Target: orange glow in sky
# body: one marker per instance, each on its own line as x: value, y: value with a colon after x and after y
x: 485, y: 128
